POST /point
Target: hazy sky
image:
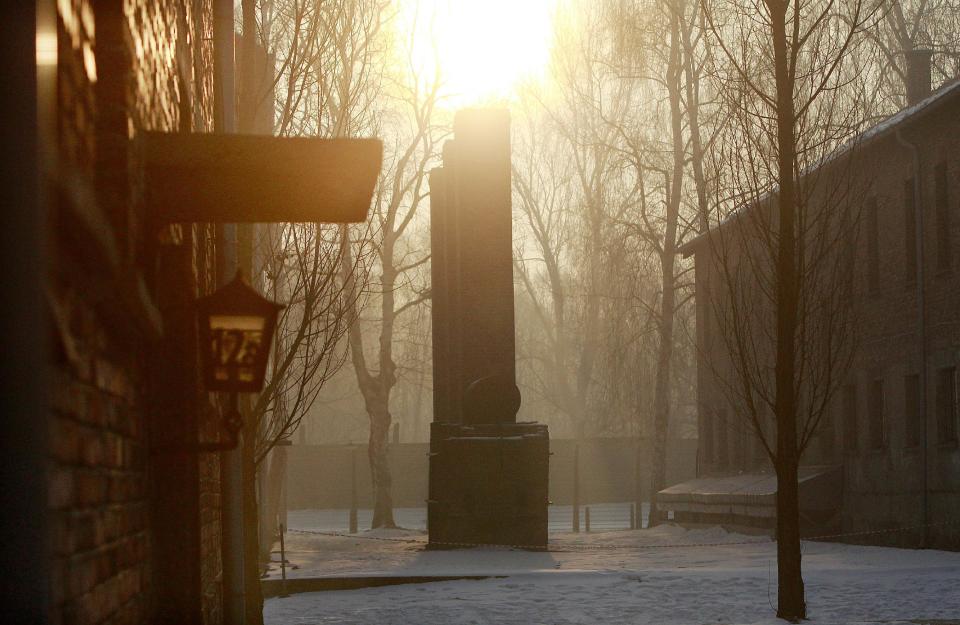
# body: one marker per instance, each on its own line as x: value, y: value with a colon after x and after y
x: 485, y: 47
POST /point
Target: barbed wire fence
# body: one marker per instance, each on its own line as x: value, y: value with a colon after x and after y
x: 582, y: 515
x: 566, y: 546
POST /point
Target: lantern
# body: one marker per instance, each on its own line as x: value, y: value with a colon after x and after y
x: 236, y: 331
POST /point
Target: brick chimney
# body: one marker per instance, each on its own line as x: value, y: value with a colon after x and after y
x: 918, y: 75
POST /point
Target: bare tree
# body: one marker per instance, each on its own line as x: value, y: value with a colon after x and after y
x: 302, y: 268
x: 597, y: 187
x: 322, y: 86
x: 572, y: 195
x: 544, y: 194
x: 780, y: 262
x: 338, y: 76
x: 400, y: 193
x: 664, y: 240
x: 330, y: 57
x: 658, y: 46
x: 902, y: 27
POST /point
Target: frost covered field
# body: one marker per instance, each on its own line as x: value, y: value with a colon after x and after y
x: 663, y: 576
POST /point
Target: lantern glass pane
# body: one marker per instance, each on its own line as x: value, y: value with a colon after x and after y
x: 236, y: 344
x: 237, y: 322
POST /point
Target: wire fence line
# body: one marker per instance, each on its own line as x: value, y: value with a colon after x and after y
x: 603, y: 517
x: 587, y: 547
x: 565, y: 548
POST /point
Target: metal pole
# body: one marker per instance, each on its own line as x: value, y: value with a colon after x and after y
x: 283, y: 563
x: 638, y: 486
x: 633, y: 516
x: 353, y: 490
x: 231, y: 484
x: 283, y: 487
x: 586, y: 518
x: 231, y: 478
x: 576, y: 488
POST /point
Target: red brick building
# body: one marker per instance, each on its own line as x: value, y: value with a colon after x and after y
x: 886, y: 452
x: 123, y: 510
x: 125, y: 182
x: 135, y: 523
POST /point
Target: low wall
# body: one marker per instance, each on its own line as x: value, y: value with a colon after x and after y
x: 319, y: 476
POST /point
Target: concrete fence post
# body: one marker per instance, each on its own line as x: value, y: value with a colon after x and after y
x: 283, y: 562
x: 353, y: 490
x: 638, y: 485
x: 576, y: 488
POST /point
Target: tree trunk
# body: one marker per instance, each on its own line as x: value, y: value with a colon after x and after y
x: 661, y: 401
x: 790, y: 599
x: 248, y: 464
x: 251, y: 535
x: 375, y: 389
x: 697, y: 152
x: 668, y: 252
x: 380, y: 420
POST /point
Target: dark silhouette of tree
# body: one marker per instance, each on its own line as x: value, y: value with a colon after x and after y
x: 783, y: 316
x: 400, y: 194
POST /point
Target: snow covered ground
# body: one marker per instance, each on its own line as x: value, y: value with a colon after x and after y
x: 665, y: 576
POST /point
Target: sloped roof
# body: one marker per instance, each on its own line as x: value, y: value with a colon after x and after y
x: 751, y: 494
x: 945, y: 94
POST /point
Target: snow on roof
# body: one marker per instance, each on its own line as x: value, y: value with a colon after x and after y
x: 743, y: 485
x: 909, y: 114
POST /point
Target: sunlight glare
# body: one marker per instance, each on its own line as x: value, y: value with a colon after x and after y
x: 485, y: 47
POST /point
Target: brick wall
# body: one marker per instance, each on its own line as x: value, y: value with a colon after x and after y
x: 883, y: 486
x: 98, y: 485
x: 126, y: 66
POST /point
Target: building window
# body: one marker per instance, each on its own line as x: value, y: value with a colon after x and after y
x: 913, y: 420
x: 909, y: 232
x: 944, y: 253
x: 947, y: 404
x: 877, y: 430
x: 849, y: 246
x: 849, y: 407
x: 873, y: 246
x: 826, y: 436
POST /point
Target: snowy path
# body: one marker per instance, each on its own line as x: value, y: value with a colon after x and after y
x: 618, y: 577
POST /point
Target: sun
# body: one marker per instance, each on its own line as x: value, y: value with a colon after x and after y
x: 484, y: 48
